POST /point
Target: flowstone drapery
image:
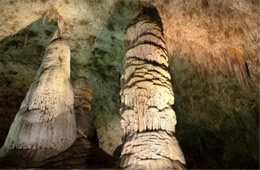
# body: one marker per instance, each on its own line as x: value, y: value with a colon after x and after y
x: 148, y: 120
x: 45, y: 125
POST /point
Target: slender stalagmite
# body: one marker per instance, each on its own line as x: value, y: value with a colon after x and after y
x: 45, y: 125
x: 148, y: 120
x: 82, y: 107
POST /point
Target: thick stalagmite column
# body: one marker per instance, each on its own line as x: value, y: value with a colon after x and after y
x: 45, y: 125
x: 148, y: 120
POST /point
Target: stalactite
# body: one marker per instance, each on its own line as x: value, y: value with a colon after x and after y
x: 237, y: 66
x: 53, y: 14
x: 45, y: 125
x: 148, y: 120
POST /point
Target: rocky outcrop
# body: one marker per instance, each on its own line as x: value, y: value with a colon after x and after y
x: 45, y: 125
x: 148, y: 120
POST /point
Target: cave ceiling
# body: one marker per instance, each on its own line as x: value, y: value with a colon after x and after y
x: 214, y: 63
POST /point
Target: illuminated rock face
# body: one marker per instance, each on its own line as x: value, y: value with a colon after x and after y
x: 45, y: 125
x: 83, y: 153
x: 203, y: 36
x: 148, y: 119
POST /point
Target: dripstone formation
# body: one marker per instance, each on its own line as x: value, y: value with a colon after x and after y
x: 213, y: 48
x: 82, y: 107
x: 45, y: 125
x: 148, y: 120
x: 43, y: 134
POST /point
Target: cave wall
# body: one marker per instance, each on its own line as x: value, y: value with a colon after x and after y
x: 217, y: 104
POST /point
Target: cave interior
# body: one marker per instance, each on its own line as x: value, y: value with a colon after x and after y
x: 213, y: 53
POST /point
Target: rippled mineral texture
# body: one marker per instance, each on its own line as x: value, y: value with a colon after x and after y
x: 148, y: 120
x: 213, y: 61
x: 45, y: 122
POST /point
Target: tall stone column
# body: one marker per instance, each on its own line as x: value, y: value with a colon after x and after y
x: 45, y: 125
x: 148, y: 120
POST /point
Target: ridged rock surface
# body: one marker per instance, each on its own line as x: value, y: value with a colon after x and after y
x: 214, y: 33
x: 218, y: 115
x: 152, y: 150
x: 146, y: 97
x: 46, y: 122
x: 82, y: 106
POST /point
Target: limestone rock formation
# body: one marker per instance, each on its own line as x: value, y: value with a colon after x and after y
x: 152, y: 150
x: 83, y: 154
x: 217, y: 28
x: 82, y: 107
x: 148, y: 119
x: 45, y: 125
x: 211, y: 43
x: 82, y: 93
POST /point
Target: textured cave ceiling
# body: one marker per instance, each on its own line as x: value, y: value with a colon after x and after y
x: 214, y: 63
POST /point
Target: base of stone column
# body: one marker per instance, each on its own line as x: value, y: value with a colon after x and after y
x: 83, y: 154
x: 152, y: 150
